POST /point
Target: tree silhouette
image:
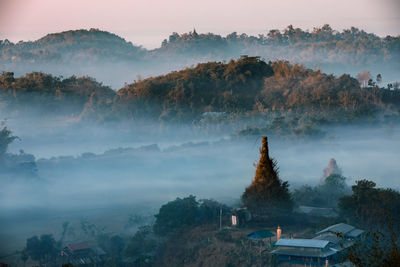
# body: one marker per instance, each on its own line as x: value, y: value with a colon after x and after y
x: 6, y: 138
x: 369, y: 205
x: 267, y: 191
x: 43, y: 249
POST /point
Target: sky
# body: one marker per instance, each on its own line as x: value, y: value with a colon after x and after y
x: 148, y: 22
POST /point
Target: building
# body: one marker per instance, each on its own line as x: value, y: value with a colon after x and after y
x: 322, y: 250
x: 81, y: 254
x: 341, y: 234
x: 300, y: 252
x: 345, y: 230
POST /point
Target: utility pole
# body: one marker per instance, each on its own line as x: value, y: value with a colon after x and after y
x: 220, y: 218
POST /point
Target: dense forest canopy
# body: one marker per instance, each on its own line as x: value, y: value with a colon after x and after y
x: 323, y: 43
x: 248, y: 85
x: 45, y: 93
x: 251, y: 85
x: 212, y: 86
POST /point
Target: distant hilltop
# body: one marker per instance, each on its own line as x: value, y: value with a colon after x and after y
x: 100, y: 43
x: 111, y: 59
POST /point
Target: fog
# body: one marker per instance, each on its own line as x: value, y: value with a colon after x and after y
x: 103, y: 174
x: 116, y: 75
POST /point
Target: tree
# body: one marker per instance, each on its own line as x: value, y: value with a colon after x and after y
x: 379, y: 78
x: 114, y: 246
x: 326, y: 194
x: 43, y: 249
x: 396, y: 85
x: 336, y: 181
x: 6, y: 138
x: 209, y: 210
x: 183, y: 212
x: 267, y: 191
x: 175, y: 214
x: 380, y: 248
x: 142, y: 246
x: 370, y: 206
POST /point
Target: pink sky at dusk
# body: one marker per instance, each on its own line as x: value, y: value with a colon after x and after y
x: 148, y: 22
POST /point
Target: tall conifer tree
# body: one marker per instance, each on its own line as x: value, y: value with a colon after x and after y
x: 267, y: 191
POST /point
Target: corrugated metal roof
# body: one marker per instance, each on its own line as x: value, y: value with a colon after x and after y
x: 329, y: 237
x: 337, y: 228
x: 306, y: 243
x: 355, y: 233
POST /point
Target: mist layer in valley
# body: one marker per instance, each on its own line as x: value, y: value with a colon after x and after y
x: 89, y: 155
x: 104, y: 175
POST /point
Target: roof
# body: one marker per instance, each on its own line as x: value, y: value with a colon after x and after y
x: 260, y: 234
x: 305, y: 243
x: 78, y: 246
x: 354, y: 233
x: 304, y: 253
x: 341, y: 228
x: 329, y: 237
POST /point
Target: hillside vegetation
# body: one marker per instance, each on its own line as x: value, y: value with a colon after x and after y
x: 216, y: 91
x: 79, y: 46
x: 111, y: 59
x: 51, y: 96
x: 322, y: 44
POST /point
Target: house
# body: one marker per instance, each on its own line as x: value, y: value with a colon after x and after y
x: 325, y: 248
x: 346, y: 230
x: 75, y: 249
x: 341, y: 234
x: 300, y: 252
x: 81, y: 254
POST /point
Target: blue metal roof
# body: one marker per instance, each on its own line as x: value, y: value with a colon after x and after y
x: 305, y: 243
x: 260, y: 234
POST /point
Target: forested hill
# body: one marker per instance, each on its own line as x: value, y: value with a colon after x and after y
x: 71, y: 46
x: 353, y: 46
x: 323, y: 45
x: 45, y: 95
x: 94, y: 52
x: 213, y: 86
x: 248, y: 86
